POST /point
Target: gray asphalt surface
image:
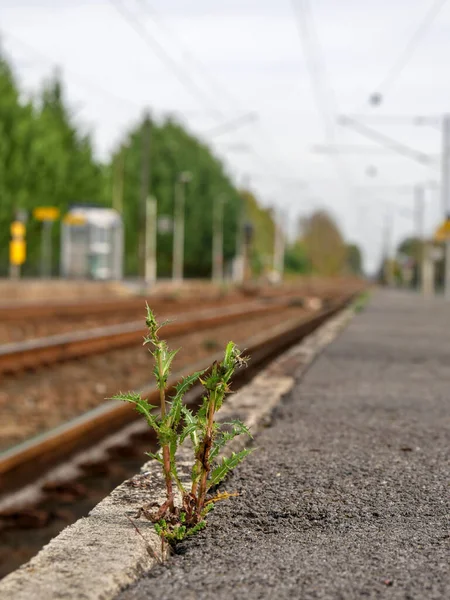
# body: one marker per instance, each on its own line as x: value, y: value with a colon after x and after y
x: 347, y: 495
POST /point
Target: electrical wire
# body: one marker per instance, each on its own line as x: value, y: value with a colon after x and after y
x: 323, y: 92
x: 324, y: 96
x: 395, y: 70
x: 87, y: 83
x: 183, y: 77
x: 181, y: 74
x: 221, y: 90
x: 158, y: 49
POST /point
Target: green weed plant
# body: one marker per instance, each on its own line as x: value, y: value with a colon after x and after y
x: 175, y: 423
x: 361, y: 301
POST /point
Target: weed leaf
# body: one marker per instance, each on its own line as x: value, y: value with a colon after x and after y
x: 228, y: 464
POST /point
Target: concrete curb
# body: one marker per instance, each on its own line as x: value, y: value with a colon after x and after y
x: 101, y: 554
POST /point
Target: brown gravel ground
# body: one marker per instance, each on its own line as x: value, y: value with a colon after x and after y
x: 38, y: 401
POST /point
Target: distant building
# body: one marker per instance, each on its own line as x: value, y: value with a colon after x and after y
x: 92, y: 243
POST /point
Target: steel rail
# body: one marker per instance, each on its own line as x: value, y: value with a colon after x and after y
x: 21, y: 311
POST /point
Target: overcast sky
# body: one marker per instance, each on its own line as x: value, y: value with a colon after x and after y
x: 247, y: 55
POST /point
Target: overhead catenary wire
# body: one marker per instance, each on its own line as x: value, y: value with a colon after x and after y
x: 222, y: 91
x: 411, y: 45
x: 94, y: 86
x: 185, y: 79
x: 84, y: 81
x: 323, y: 93
x: 149, y: 10
x: 183, y: 76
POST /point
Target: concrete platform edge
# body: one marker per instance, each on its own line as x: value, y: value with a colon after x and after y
x: 101, y: 554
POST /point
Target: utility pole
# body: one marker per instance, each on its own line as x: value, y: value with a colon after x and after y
x: 217, y: 239
x: 239, y: 253
x: 419, y: 208
x: 240, y: 233
x: 17, y: 245
x: 178, y: 228
x: 278, y: 251
x: 248, y: 238
x: 118, y: 181
x: 145, y: 186
x: 445, y: 191
x: 46, y: 248
x: 388, y: 275
x: 150, y: 240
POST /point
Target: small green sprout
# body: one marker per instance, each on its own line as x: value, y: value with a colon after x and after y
x: 175, y: 423
x: 361, y: 301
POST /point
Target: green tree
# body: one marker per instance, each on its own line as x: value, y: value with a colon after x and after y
x: 263, y: 225
x: 296, y: 259
x: 324, y: 244
x: 174, y: 150
x: 44, y: 161
x: 62, y: 168
x: 412, y: 247
x: 354, y: 259
x: 16, y: 120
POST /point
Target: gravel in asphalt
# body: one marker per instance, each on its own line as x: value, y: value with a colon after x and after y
x: 347, y: 495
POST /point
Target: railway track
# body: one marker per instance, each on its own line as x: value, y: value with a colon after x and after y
x: 73, y: 310
x: 24, y: 311
x: 23, y: 323
x: 32, y: 354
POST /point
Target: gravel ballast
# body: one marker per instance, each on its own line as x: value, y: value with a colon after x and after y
x: 347, y: 495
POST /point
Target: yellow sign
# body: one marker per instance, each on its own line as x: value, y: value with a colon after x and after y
x: 17, y: 229
x: 443, y: 232
x: 17, y: 252
x: 74, y: 219
x: 46, y: 213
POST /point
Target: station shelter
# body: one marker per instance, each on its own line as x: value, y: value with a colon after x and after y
x: 92, y: 244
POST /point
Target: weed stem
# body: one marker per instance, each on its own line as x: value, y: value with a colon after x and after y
x: 165, y: 448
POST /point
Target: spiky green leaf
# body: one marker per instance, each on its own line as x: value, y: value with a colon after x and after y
x: 238, y: 427
x: 228, y: 464
x: 186, y: 383
x: 221, y: 441
x: 190, y: 426
x: 156, y: 456
x: 141, y: 405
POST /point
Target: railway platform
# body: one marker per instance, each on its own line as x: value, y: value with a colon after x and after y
x: 347, y: 494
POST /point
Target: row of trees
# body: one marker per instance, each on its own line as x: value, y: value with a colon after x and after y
x: 173, y: 151
x: 46, y: 160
